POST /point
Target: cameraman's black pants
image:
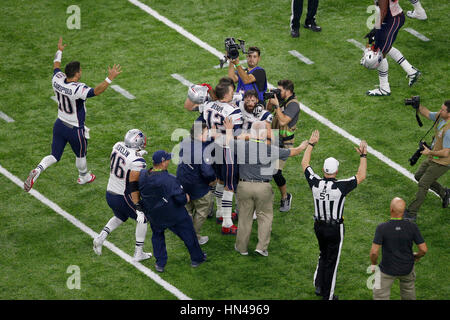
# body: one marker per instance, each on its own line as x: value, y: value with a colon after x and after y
x: 330, y: 238
x: 297, y: 9
x: 427, y: 175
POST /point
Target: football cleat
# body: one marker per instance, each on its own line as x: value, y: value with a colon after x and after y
x: 230, y: 231
x: 28, y: 184
x: 285, y: 204
x: 378, y: 92
x: 417, y: 14
x: 264, y: 253
x: 88, y: 178
x: 371, y: 59
x: 413, y: 77
x: 98, y: 244
x: 203, y: 239
x: 140, y: 255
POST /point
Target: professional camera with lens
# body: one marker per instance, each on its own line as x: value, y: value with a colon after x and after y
x: 272, y: 93
x: 232, y: 49
x: 417, y: 154
x: 414, y: 102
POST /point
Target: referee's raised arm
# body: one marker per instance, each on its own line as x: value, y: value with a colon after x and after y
x: 311, y: 143
x: 362, y: 170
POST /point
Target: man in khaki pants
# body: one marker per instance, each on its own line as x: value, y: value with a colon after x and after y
x: 396, y: 237
x: 256, y: 159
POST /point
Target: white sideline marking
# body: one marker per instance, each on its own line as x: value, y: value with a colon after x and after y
x: 301, y: 57
x: 122, y: 91
x: 310, y: 112
x: 5, y: 117
x: 180, y: 295
x: 54, y: 99
x: 357, y: 43
x: 417, y: 34
x: 176, y: 76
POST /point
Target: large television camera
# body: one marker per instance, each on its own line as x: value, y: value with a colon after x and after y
x: 232, y: 50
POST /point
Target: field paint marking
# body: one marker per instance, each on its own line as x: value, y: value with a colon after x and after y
x: 5, y: 117
x: 122, y: 91
x: 307, y: 110
x: 181, y: 79
x: 357, y: 43
x: 54, y: 99
x: 417, y: 34
x: 176, y: 292
x: 301, y: 57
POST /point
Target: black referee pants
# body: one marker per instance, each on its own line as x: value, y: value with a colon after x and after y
x: 330, y: 238
x: 297, y: 9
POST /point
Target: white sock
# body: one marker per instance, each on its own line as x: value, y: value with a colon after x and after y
x: 227, y: 204
x: 416, y: 4
x: 141, y: 231
x: 44, y: 164
x: 81, y: 165
x: 112, y: 224
x: 400, y: 59
x: 219, y: 194
x: 383, y: 75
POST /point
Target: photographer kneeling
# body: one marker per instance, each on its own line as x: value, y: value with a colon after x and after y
x: 285, y: 120
x: 437, y: 162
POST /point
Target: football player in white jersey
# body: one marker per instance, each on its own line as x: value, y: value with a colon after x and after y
x: 126, y: 160
x: 252, y: 111
x: 213, y: 114
x: 389, y: 20
x: 70, y: 127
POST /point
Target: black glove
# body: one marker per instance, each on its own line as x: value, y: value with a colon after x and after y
x: 371, y: 35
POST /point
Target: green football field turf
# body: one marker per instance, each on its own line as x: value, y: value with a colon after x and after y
x: 37, y: 246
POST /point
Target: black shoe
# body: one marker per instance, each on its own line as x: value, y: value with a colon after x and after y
x: 295, y: 33
x: 312, y: 25
x: 408, y: 216
x: 446, y: 198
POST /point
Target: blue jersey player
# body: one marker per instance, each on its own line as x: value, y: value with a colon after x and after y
x: 69, y: 127
x: 389, y: 20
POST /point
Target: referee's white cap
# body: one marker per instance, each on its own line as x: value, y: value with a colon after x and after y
x: 330, y: 165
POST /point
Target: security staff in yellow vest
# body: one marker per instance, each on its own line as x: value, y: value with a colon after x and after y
x: 285, y: 120
x: 437, y: 162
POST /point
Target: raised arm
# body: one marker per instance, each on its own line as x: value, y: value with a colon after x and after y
x: 311, y: 143
x: 231, y: 72
x: 112, y: 74
x: 362, y: 170
x: 58, y: 56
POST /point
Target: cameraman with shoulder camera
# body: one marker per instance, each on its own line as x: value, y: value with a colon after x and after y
x: 438, y: 159
x: 285, y: 120
x: 253, y: 77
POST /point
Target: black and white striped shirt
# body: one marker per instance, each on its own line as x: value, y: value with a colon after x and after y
x: 329, y: 195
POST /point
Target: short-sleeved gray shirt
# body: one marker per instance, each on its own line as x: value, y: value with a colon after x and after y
x: 292, y: 110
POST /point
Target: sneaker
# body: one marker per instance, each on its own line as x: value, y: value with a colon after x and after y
x: 98, y: 245
x: 312, y: 26
x: 195, y: 264
x: 378, y: 92
x: 230, y: 231
x: 203, y: 239
x: 28, y: 184
x: 88, y: 178
x: 417, y: 14
x: 286, y: 203
x: 295, y: 33
x: 446, y: 198
x: 407, y: 216
x: 264, y: 253
x: 158, y: 268
x: 139, y: 256
x: 413, y: 77
x: 242, y: 253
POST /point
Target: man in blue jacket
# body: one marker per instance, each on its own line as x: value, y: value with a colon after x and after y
x: 196, y: 175
x: 163, y: 201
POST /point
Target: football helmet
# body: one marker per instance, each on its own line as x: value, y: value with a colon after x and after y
x: 197, y: 93
x: 135, y: 139
x: 371, y: 59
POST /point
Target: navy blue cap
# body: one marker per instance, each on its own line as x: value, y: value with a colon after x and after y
x: 160, y: 156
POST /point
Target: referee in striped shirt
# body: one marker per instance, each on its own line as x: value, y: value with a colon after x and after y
x: 329, y: 198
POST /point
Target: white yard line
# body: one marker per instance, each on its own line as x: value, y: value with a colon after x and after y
x: 181, y: 79
x: 417, y: 34
x: 301, y: 57
x: 357, y: 44
x: 307, y: 110
x: 5, y: 117
x: 122, y: 91
x: 176, y: 292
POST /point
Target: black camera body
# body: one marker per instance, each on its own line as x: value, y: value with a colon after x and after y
x: 414, y: 102
x: 272, y: 93
x: 232, y: 49
x: 415, y: 157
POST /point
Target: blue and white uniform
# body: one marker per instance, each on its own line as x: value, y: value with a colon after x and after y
x: 123, y: 161
x: 69, y: 127
x: 248, y: 118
